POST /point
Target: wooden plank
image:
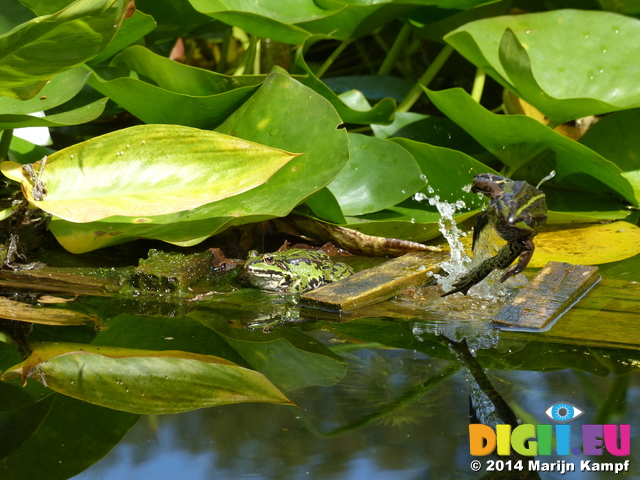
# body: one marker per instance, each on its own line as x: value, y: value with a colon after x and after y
x: 51, y: 281
x: 375, y: 284
x: 608, y: 316
x: 549, y: 295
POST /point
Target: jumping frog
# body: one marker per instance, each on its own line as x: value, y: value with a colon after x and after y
x: 517, y: 211
x: 292, y: 271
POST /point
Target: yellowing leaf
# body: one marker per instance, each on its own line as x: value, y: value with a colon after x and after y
x: 586, y: 244
x: 146, y: 170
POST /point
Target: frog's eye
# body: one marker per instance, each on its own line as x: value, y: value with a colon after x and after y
x: 268, y: 259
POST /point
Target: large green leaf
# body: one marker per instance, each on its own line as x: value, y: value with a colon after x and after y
x: 76, y: 116
x: 309, y: 126
x: 616, y: 138
x: 447, y: 172
x: 42, y: 47
x: 15, y: 113
x: 136, y: 27
x: 60, y: 89
x: 262, y: 19
x: 22, y: 151
x: 380, y: 113
x: 144, y: 381
x: 159, y: 90
x: 531, y: 150
x: 379, y: 175
x: 175, y: 19
x: 293, y: 21
x: 148, y: 170
x: 567, y: 63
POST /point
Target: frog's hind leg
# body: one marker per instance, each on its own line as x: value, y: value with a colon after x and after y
x: 526, y: 252
x: 503, y: 259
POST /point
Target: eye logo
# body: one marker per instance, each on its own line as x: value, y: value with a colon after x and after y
x: 563, y: 412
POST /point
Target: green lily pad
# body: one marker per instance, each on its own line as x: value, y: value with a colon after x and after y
x: 148, y: 170
x: 309, y: 127
x: 590, y: 72
x: 181, y: 94
x: 531, y: 150
x: 379, y: 175
x: 54, y: 42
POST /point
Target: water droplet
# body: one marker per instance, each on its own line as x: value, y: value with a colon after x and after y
x: 419, y: 197
x: 586, y: 34
x: 423, y: 177
x: 527, y: 32
x: 273, y: 132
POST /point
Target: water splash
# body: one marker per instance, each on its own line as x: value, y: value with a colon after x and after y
x: 459, y: 262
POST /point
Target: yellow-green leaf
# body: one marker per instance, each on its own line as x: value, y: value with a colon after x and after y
x: 586, y: 244
x: 146, y: 170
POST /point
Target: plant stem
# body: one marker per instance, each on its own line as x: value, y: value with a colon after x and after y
x: 396, y: 48
x: 327, y: 63
x: 5, y: 141
x: 425, y: 79
x: 224, y: 52
x: 478, y: 85
x: 250, y: 55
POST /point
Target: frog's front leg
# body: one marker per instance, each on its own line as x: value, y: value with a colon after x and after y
x: 527, y: 248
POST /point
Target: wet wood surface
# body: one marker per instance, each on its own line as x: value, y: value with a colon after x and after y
x: 376, y: 284
x: 551, y: 293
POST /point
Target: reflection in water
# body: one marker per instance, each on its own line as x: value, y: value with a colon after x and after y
x: 339, y: 432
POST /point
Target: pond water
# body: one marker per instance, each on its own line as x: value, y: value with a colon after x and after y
x: 383, y: 394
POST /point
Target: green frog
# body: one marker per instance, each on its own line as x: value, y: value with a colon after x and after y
x: 292, y: 271
x: 517, y: 211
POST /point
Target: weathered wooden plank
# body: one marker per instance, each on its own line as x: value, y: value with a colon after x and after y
x: 51, y: 281
x: 606, y: 317
x: 550, y: 293
x: 375, y: 284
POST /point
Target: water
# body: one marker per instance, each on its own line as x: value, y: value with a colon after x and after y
x: 380, y: 393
